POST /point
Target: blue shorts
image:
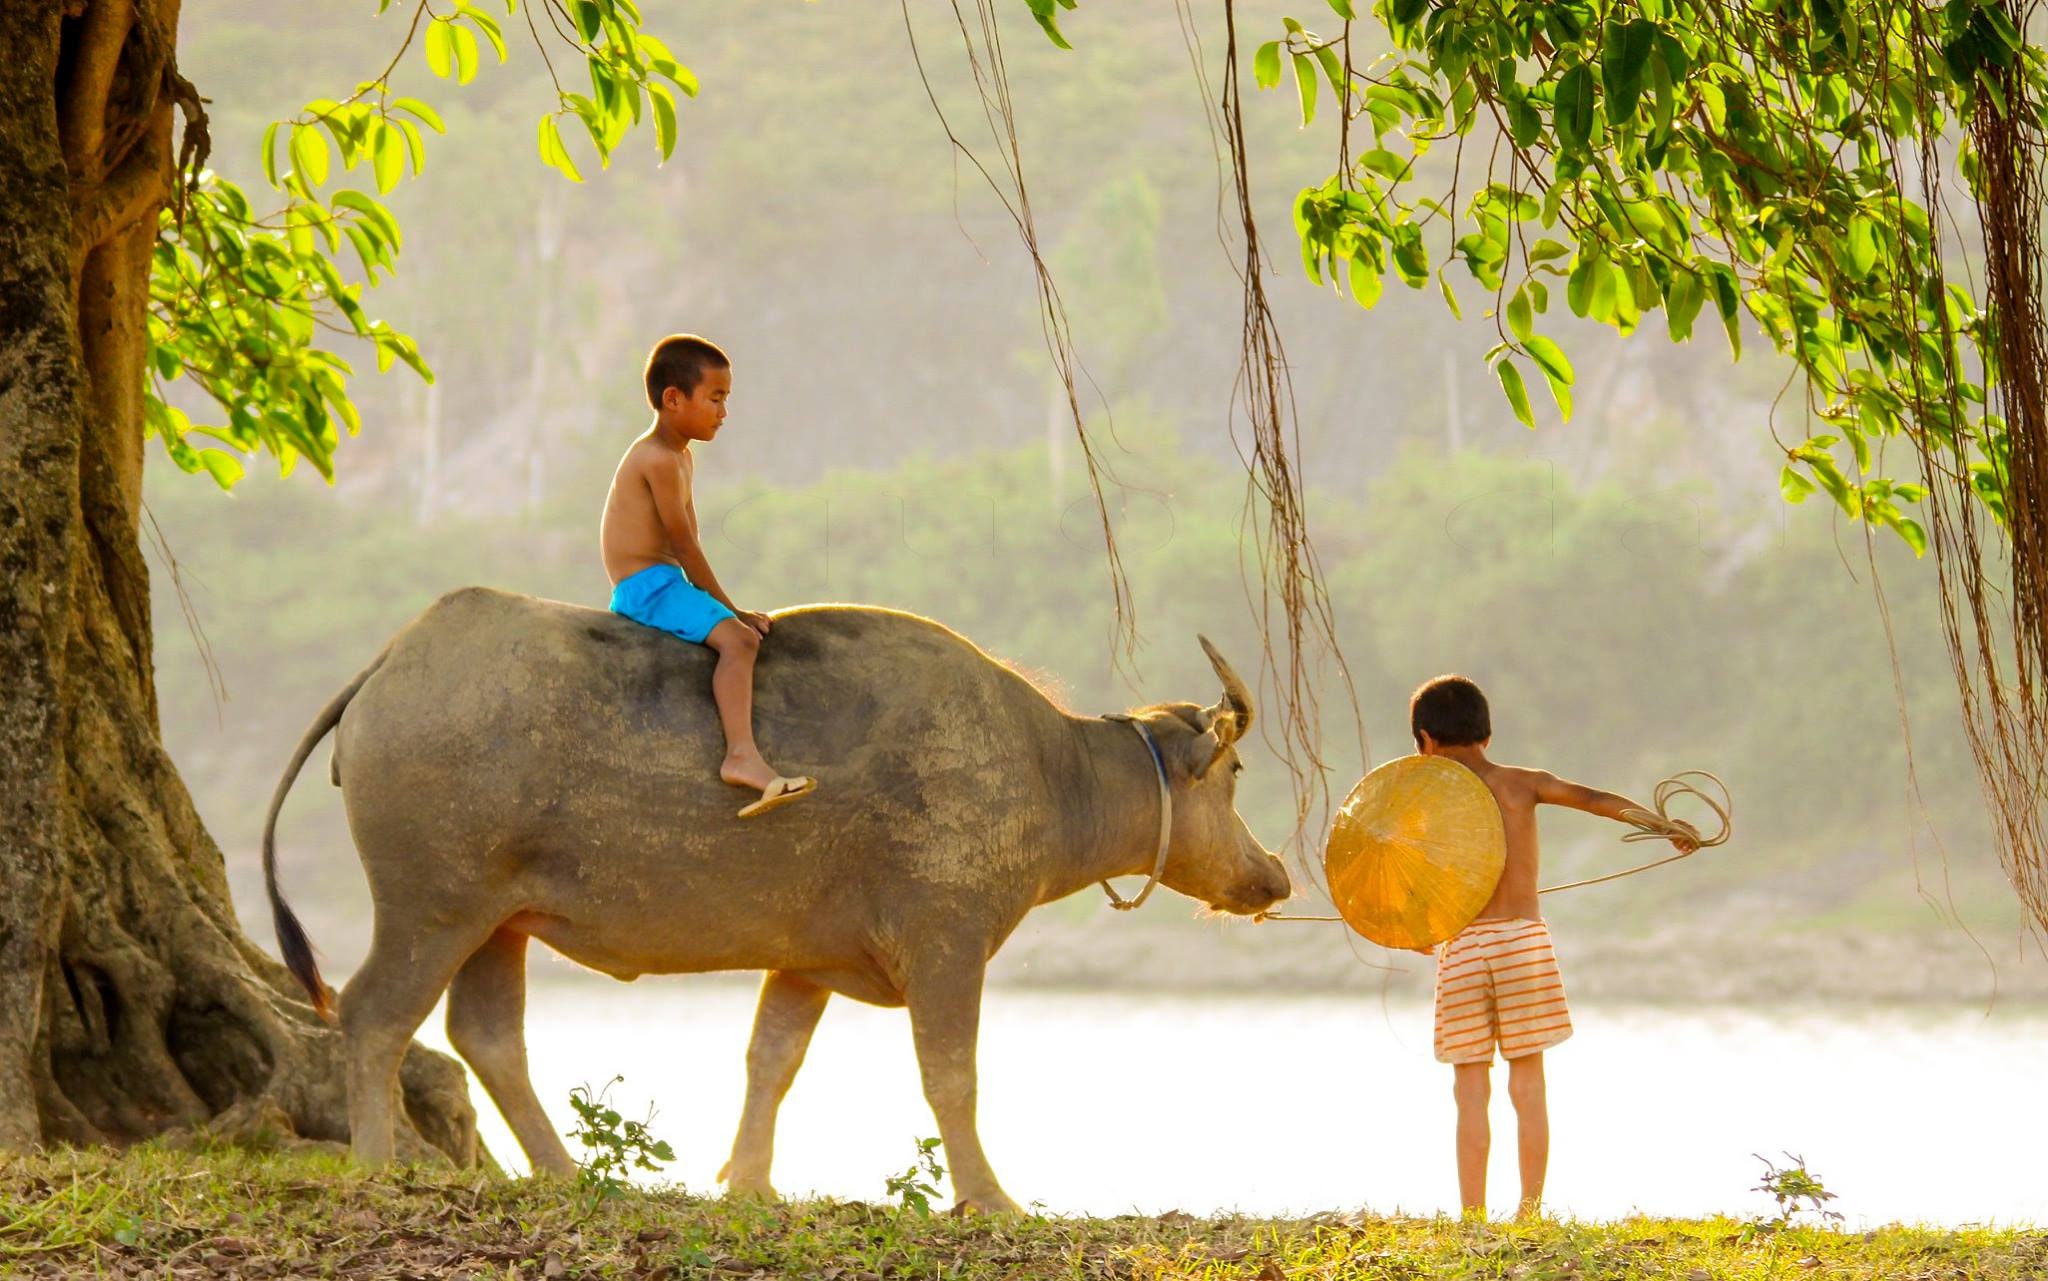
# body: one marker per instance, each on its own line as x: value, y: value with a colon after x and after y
x: 660, y: 597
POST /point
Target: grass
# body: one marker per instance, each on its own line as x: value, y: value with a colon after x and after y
x: 195, y: 1211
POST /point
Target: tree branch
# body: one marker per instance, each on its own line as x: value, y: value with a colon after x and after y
x: 82, y: 110
x: 136, y: 189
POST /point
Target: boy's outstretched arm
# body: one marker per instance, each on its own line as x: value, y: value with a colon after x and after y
x: 1552, y: 790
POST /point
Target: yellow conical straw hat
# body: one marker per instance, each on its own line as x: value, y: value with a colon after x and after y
x: 1415, y: 852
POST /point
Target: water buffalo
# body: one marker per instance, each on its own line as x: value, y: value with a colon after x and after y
x: 515, y: 768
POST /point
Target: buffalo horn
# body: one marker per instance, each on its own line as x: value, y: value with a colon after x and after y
x: 1236, y: 705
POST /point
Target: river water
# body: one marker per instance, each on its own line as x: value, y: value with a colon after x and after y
x: 1110, y: 1103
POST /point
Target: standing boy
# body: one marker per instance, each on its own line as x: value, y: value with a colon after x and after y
x: 1497, y: 982
x: 659, y: 573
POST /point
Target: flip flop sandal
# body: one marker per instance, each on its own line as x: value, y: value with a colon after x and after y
x: 779, y: 792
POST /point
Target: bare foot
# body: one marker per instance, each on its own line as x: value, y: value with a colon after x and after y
x: 746, y: 769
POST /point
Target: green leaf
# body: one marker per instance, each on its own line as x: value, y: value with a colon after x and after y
x: 1520, y: 315
x: 465, y: 54
x: 1574, y: 110
x: 270, y: 152
x: 2002, y: 25
x: 415, y: 145
x: 1793, y: 487
x: 387, y: 151
x: 226, y: 469
x: 1624, y: 59
x: 587, y: 19
x: 1829, y: 476
x: 1602, y: 302
x: 1406, y: 13
x: 1730, y: 306
x: 1524, y: 125
x: 606, y: 86
x: 440, y: 48
x: 485, y: 23
x: 1305, y: 85
x: 375, y: 215
x: 1664, y: 97
x: 367, y: 249
x: 553, y: 153
x: 1464, y: 99
x: 309, y: 154
x: 598, y: 140
x: 589, y: 112
x: 1266, y: 64
x: 1518, y: 395
x: 1046, y: 12
x: 1562, y: 394
x: 1333, y: 71
x: 1862, y: 245
x: 426, y: 114
x: 1682, y: 303
x: 1365, y: 281
x: 1411, y: 256
x: 664, y: 119
x: 1550, y: 357
x: 1586, y: 274
x: 1386, y: 164
x: 1910, y: 530
x: 1343, y: 9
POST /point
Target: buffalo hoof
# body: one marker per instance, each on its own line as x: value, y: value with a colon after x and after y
x: 747, y: 1187
x: 551, y: 1167
x: 998, y: 1203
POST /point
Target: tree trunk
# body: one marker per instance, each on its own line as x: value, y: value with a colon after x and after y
x: 130, y: 1002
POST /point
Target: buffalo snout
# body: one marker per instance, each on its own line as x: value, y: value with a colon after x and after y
x: 1264, y: 883
x: 1278, y: 886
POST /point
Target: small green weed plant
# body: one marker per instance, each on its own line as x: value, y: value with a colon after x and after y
x: 1796, y: 1189
x: 917, y: 1187
x: 613, y: 1144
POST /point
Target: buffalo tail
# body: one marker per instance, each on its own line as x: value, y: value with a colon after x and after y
x: 291, y: 936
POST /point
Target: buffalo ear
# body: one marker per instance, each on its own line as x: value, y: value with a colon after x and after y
x: 1209, y: 747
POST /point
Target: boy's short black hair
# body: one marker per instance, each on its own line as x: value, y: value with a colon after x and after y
x: 1452, y: 711
x: 679, y: 361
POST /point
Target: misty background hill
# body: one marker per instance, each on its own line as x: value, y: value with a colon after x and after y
x: 1628, y: 586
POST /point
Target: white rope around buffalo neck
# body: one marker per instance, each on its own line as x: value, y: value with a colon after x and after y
x: 1165, y: 818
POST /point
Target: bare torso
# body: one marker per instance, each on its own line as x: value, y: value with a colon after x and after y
x: 1515, y: 790
x: 631, y: 535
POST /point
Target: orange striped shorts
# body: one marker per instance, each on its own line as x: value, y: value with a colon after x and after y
x: 1498, y: 982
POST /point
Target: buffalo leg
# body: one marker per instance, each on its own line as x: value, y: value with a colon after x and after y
x: 789, y: 1011
x: 487, y: 1027
x: 945, y: 1019
x: 384, y: 1003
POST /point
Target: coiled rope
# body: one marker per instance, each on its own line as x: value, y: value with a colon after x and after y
x: 1653, y: 824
